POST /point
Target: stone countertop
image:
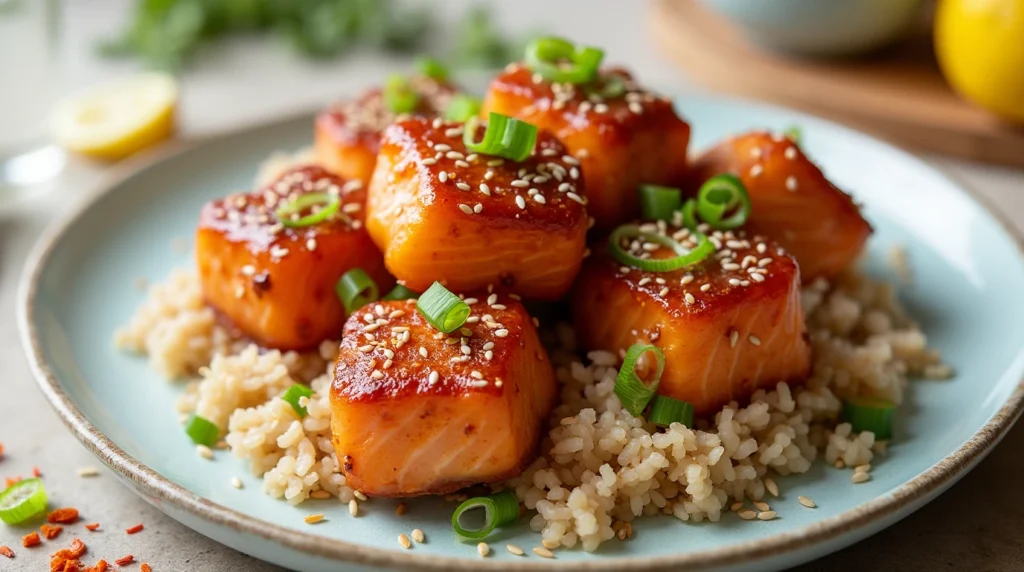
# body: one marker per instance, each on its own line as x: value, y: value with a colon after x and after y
x: 974, y: 526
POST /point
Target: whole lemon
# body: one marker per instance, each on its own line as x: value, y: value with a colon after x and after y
x: 980, y: 46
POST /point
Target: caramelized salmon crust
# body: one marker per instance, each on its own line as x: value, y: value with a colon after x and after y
x: 622, y: 139
x: 727, y: 326
x: 792, y: 201
x: 347, y: 134
x: 441, y: 212
x: 416, y: 411
x: 275, y: 283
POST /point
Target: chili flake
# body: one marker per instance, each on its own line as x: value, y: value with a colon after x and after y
x: 31, y: 539
x: 63, y: 516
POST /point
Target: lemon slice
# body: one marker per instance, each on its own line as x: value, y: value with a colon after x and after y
x: 114, y: 120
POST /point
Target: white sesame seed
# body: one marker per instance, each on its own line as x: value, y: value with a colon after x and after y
x: 248, y: 270
x: 757, y: 277
x: 429, y: 161
x: 705, y: 287
x: 236, y: 482
x: 502, y: 333
x: 734, y: 282
x: 807, y: 502
x: 485, y: 189
x: 756, y: 170
x: 463, y: 186
x: 576, y: 198
x: 514, y: 549
x: 860, y: 477
x: 418, y: 536
x: 204, y: 452
x: 636, y: 107
x: 754, y: 339
x: 353, y: 507
x: 688, y: 297
x: 756, y: 152
x: 376, y: 374
x: 663, y: 292
x: 791, y: 183
x: 404, y: 541
x: 747, y: 514
x: 520, y: 202
x: 543, y: 552
x: 767, y: 515
x: 773, y: 489
x: 434, y: 377
x: 733, y: 338
x: 359, y: 495
x: 442, y: 176
x: 643, y: 281
x: 478, y: 208
x: 442, y: 147
x: 540, y: 198
x: 423, y: 352
x: 489, y: 346
x: 483, y: 549
x: 465, y: 208
x: 574, y: 173
x: 454, y: 155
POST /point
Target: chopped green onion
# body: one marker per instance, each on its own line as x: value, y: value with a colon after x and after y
x: 432, y: 68
x: 666, y: 411
x: 499, y: 509
x: 658, y: 203
x: 870, y: 414
x: 562, y: 61
x: 682, y: 259
x: 400, y: 292
x: 633, y: 392
x: 720, y: 195
x: 292, y: 397
x: 504, y: 137
x: 444, y: 310
x: 328, y: 203
x: 202, y: 431
x: 356, y: 289
x: 399, y: 96
x: 461, y: 107
x: 689, y: 214
x: 22, y: 501
x: 794, y: 134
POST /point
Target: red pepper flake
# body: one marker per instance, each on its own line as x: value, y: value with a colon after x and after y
x: 100, y: 566
x: 72, y: 566
x: 125, y: 560
x: 134, y: 529
x: 51, y: 532
x: 145, y: 568
x: 92, y: 526
x: 66, y: 559
x: 6, y: 551
x: 9, y: 481
x: 36, y: 472
x: 63, y: 516
x: 31, y: 539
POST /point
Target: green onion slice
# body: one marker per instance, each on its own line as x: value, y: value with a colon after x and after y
x: 22, y: 501
x: 720, y: 196
x: 461, y: 107
x: 399, y: 96
x: 562, y: 61
x: 794, y: 134
x: 870, y: 414
x: 432, y: 68
x: 356, y: 289
x: 689, y: 213
x: 328, y: 203
x: 400, y: 292
x: 444, y: 310
x: 666, y: 411
x: 202, y: 431
x: 633, y: 392
x: 504, y: 137
x: 682, y: 259
x: 292, y: 397
x: 658, y: 203
x: 499, y: 509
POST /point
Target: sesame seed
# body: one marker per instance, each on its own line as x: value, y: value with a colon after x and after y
x: 791, y: 183
x: 483, y: 549
x: 736, y: 506
x: 734, y: 282
x: 495, y: 162
x: 465, y: 208
x: 429, y: 161
x: 705, y: 287
x: 747, y: 514
x: 88, y: 472
x: 365, y: 349
x: 489, y: 346
x: 576, y: 198
x: 417, y: 535
x: 574, y: 173
x: 485, y: 189
x: 860, y: 477
x: 248, y: 270
x: 762, y: 506
x: 688, y: 297
x: 434, y: 377
x: 311, y: 244
x: 377, y: 374
x: 756, y: 152
x: 733, y: 338
x: 754, y: 339
x: 236, y: 482
x: 757, y: 277
x: 313, y: 518
x: 463, y: 186
x: 520, y: 202
x: 514, y: 549
x: 730, y: 266
x: 540, y: 198
x: 636, y: 108
x: 686, y: 279
x: 543, y: 552
x: 478, y: 208
x: 359, y: 495
x: 423, y: 352
x: 353, y: 507
x: 767, y: 515
x: 790, y: 153
x: 442, y: 176
x: 502, y: 333
x: 442, y: 147
x: 204, y: 452
x: 756, y: 170
x: 807, y: 502
x: 663, y: 292
x: 454, y: 155
x: 388, y: 364
x: 772, y: 488
x: 404, y: 541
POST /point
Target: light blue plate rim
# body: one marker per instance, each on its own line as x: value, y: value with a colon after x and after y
x: 157, y: 488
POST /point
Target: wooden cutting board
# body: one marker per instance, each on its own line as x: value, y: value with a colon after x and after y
x: 898, y: 94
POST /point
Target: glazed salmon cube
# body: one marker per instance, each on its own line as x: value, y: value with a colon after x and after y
x: 791, y: 201
x: 416, y: 411
x: 440, y: 212
x: 347, y: 134
x: 621, y: 142
x: 276, y: 284
x: 728, y: 325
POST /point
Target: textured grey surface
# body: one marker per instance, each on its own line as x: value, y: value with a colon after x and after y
x: 974, y: 526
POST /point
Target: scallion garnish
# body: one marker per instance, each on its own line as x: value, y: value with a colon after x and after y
x: 870, y: 414
x: 562, y: 61
x: 689, y: 213
x: 718, y: 197
x: 633, y: 392
x: 432, y: 68
x: 658, y: 203
x: 794, y: 134
x: 22, y: 501
x: 682, y: 259
x: 356, y: 289
x: 202, y: 431
x: 499, y: 509
x: 504, y: 137
x: 328, y: 203
x: 399, y: 96
x: 444, y: 310
x: 400, y: 292
x: 666, y: 411
x: 292, y: 397
x: 461, y: 107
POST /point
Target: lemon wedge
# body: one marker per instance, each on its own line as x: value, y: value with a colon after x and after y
x: 117, y: 119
